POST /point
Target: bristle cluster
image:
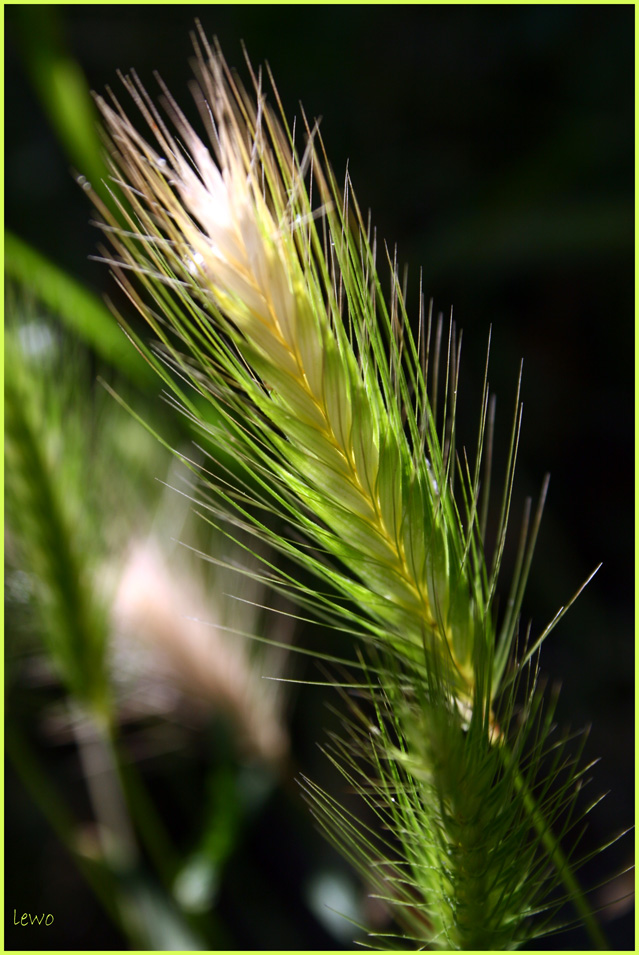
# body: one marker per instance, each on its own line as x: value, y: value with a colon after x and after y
x: 237, y: 232
x: 271, y: 309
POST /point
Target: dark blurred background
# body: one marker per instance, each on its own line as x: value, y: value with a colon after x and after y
x: 494, y: 145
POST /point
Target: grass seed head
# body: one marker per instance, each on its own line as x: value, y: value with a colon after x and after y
x: 267, y: 301
x: 231, y: 225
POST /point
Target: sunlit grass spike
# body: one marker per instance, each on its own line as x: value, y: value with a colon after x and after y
x: 257, y: 273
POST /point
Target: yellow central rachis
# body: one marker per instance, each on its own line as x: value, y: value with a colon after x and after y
x: 325, y: 427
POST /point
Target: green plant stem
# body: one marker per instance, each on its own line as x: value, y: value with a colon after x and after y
x: 106, y: 792
x: 556, y: 853
x: 144, y: 815
x: 157, y: 842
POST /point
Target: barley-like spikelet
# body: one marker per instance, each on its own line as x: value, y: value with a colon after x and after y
x: 266, y: 301
x: 238, y: 233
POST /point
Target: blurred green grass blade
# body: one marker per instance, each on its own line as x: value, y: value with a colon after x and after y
x: 62, y: 89
x: 78, y: 308
x: 38, y: 513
